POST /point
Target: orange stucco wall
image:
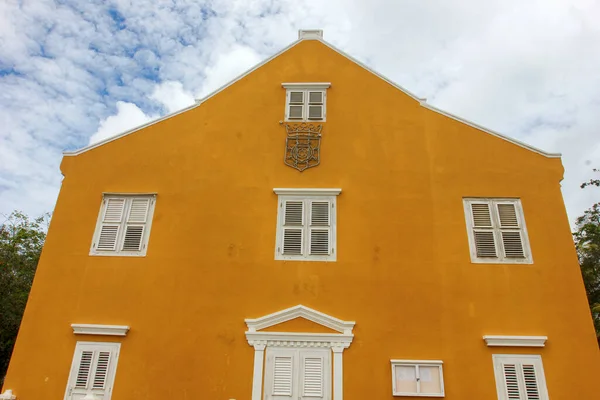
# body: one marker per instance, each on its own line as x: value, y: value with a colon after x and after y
x: 403, y: 270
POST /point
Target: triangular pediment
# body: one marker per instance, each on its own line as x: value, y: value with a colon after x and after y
x: 301, y: 312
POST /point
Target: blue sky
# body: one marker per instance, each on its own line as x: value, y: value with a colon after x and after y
x: 74, y: 72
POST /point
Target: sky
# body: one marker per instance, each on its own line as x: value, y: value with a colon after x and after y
x: 74, y: 72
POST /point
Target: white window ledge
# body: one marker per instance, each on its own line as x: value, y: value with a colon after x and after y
x: 307, y: 192
x: 515, y: 341
x: 94, y: 329
x: 308, y: 85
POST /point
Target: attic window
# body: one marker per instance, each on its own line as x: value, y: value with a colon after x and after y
x: 305, y: 102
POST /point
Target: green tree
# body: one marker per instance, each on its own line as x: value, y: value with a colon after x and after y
x: 587, y: 242
x: 21, y: 241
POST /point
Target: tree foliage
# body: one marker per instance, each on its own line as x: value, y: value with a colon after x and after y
x: 21, y: 241
x: 587, y: 242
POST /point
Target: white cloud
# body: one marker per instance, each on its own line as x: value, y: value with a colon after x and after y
x: 172, y: 96
x: 128, y: 116
x: 527, y: 69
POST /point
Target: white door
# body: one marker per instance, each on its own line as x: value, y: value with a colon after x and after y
x: 297, y: 374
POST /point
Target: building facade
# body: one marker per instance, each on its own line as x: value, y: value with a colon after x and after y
x: 309, y: 231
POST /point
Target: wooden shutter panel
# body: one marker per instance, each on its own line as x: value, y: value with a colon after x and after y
x: 511, y: 382
x: 512, y: 240
x: 315, y: 105
x: 296, y: 105
x: 136, y: 220
x: 101, y: 372
x: 483, y: 232
x: 283, y: 378
x: 111, y: 224
x: 320, y: 227
x: 312, y: 377
x: 532, y: 391
x: 293, y: 227
x: 84, y: 369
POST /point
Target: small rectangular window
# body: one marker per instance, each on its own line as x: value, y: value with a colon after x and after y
x: 305, y: 102
x: 497, y: 231
x: 417, y: 378
x: 123, y: 226
x: 520, y: 377
x: 306, y: 227
x: 93, y: 370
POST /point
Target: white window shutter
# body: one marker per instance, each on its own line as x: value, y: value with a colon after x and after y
x: 93, y: 371
x: 111, y: 224
x: 511, y: 382
x: 510, y: 227
x: 320, y: 227
x: 312, y: 377
x: 296, y: 105
x: 315, y: 105
x: 483, y: 232
x: 293, y: 227
x: 283, y: 376
x: 136, y: 220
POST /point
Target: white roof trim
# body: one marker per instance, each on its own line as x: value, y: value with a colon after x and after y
x: 515, y: 341
x: 344, y: 327
x: 491, y: 132
x: 120, y: 135
x: 307, y: 191
x: 94, y: 329
x: 307, y: 85
x: 421, y: 101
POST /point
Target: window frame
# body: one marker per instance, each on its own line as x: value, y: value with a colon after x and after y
x: 417, y: 364
x: 493, y: 203
x: 500, y: 359
x: 81, y: 346
x: 307, y: 196
x: 147, y: 226
x: 306, y: 89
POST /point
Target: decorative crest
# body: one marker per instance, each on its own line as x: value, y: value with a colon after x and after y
x: 302, y: 146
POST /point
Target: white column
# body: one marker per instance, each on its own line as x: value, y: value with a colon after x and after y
x: 259, y: 357
x: 338, y: 374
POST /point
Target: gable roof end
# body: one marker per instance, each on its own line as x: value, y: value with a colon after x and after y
x: 318, y: 36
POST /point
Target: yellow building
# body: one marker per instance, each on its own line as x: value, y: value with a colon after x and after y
x: 309, y: 231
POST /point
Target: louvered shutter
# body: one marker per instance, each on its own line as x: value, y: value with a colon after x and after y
x: 295, y: 105
x: 483, y: 230
x: 511, y: 382
x: 93, y: 371
x: 315, y: 105
x: 312, y: 376
x: 320, y: 228
x: 510, y: 230
x: 136, y: 224
x: 111, y: 224
x: 283, y: 376
x: 293, y: 227
x: 521, y: 378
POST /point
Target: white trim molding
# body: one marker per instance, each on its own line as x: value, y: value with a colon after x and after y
x: 307, y: 85
x: 307, y: 191
x: 7, y: 395
x: 95, y: 329
x: 337, y: 342
x: 310, y: 34
x: 515, y: 341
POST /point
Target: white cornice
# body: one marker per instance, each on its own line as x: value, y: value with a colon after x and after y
x: 307, y: 192
x: 515, y: 341
x: 256, y: 324
x: 307, y: 85
x: 94, y: 329
x: 417, y: 362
